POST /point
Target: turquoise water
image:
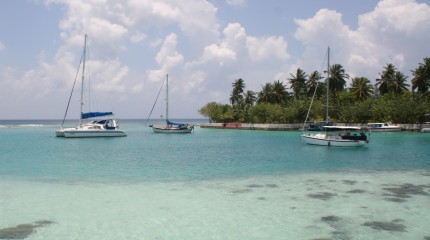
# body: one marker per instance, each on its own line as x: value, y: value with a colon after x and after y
x: 212, y: 184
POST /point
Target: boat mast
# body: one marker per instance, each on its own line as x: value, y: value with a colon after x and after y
x: 328, y: 85
x: 83, y: 73
x: 167, y: 98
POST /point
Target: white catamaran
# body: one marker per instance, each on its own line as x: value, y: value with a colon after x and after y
x: 106, y: 127
x: 336, y: 136
x: 171, y: 127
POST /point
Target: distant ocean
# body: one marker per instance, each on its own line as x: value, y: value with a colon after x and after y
x: 211, y: 184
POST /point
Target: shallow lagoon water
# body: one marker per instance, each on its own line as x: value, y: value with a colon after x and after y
x: 213, y: 184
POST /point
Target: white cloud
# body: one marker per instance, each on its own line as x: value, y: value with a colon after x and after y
x: 394, y: 32
x: 135, y: 43
x: 236, y: 2
x: 236, y: 45
x: 219, y: 54
x: 108, y: 76
x: 324, y: 28
x: 235, y: 35
x: 167, y: 58
x: 264, y: 48
x: 138, y: 37
x: 196, y: 19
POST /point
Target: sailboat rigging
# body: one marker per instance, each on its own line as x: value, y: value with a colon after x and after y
x: 338, y: 136
x: 170, y: 127
x: 107, y: 127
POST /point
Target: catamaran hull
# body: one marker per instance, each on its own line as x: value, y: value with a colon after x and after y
x: 172, y: 130
x: 60, y: 132
x: 93, y: 133
x: 333, y: 142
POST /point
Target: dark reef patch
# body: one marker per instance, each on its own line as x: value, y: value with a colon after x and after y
x: 322, y: 195
x: 330, y: 218
x: 22, y: 231
x: 337, y: 223
x: 392, y: 226
x: 357, y: 191
x: 349, y: 182
x: 241, y: 191
x: 406, y: 190
x: 399, y: 200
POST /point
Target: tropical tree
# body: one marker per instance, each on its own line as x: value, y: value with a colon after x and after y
x: 313, y: 83
x: 398, y: 84
x: 361, y: 88
x: 268, y: 113
x: 265, y: 95
x: 298, y: 83
x: 337, y: 78
x: 217, y: 112
x: 421, y: 80
x: 384, y: 82
x: 237, y: 93
x: 249, y: 98
x: 400, y: 108
x: 279, y: 91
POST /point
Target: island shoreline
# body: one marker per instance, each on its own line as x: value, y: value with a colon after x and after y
x: 297, y: 126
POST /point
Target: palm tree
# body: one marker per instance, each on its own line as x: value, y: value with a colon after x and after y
x: 421, y: 80
x: 383, y: 83
x: 313, y: 83
x: 399, y: 84
x: 280, y: 94
x: 250, y: 98
x: 298, y: 83
x: 337, y: 78
x: 361, y: 88
x: 237, y: 93
x: 265, y: 96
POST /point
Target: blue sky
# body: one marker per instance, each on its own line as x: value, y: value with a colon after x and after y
x: 203, y: 46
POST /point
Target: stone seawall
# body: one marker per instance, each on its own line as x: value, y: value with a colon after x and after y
x: 296, y: 126
x: 254, y: 126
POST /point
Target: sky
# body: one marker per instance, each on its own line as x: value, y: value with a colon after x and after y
x: 203, y: 46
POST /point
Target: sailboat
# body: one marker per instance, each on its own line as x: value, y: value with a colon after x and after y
x: 336, y: 136
x: 98, y: 127
x: 171, y: 127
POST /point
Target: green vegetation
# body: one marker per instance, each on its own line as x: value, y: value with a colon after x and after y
x: 389, y: 100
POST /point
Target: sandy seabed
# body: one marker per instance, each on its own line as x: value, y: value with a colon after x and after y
x: 314, y: 206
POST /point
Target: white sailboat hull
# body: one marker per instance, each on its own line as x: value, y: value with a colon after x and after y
x: 328, y: 140
x: 60, y: 132
x: 77, y: 133
x: 89, y: 131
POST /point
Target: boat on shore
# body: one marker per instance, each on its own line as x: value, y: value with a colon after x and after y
x: 336, y: 136
x: 171, y: 127
x: 100, y: 127
x: 383, y: 127
x: 425, y: 130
